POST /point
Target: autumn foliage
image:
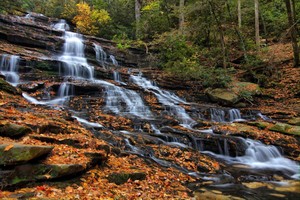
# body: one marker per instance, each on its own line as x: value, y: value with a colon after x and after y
x: 89, y: 21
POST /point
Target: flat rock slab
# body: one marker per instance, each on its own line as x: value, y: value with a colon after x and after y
x: 14, y: 154
x: 40, y: 172
x: 14, y: 130
x: 120, y: 178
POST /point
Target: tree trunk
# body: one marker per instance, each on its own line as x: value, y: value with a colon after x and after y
x: 222, y: 34
x: 181, y: 16
x: 138, y: 6
x: 293, y: 31
x: 257, y: 39
x: 239, y: 14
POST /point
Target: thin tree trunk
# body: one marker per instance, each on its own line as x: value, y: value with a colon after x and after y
x: 138, y: 6
x: 257, y: 39
x: 181, y: 16
x: 293, y: 32
x: 238, y: 33
x: 222, y: 35
x: 239, y: 14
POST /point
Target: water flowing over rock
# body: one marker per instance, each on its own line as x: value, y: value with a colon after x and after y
x: 74, y: 62
x: 9, y: 68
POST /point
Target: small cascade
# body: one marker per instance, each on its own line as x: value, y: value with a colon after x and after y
x: 87, y: 123
x: 9, y: 68
x: 101, y: 55
x: 61, y: 25
x: 117, y: 76
x: 234, y: 115
x: 220, y: 115
x: 65, y: 90
x: 261, y: 156
x: 122, y: 101
x: 74, y: 62
x: 217, y: 115
x: 169, y: 100
x: 113, y: 60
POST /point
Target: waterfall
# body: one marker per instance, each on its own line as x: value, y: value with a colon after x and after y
x: 101, y: 55
x: 119, y: 100
x: 117, y: 76
x: 235, y: 115
x: 61, y: 25
x: 217, y: 115
x: 74, y: 62
x: 65, y: 89
x: 261, y: 156
x: 9, y: 68
x: 168, y: 99
x: 113, y: 60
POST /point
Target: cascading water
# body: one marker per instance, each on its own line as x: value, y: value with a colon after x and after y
x: 220, y: 115
x: 9, y: 68
x: 235, y: 115
x: 261, y: 156
x: 113, y: 60
x: 117, y: 76
x: 101, y: 55
x: 74, y: 62
x: 116, y: 97
x: 61, y: 25
x: 169, y: 100
x: 65, y: 89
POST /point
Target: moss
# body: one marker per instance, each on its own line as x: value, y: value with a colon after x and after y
x: 4, y: 86
x: 120, y: 178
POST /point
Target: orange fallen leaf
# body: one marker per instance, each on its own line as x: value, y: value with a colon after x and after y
x: 7, y: 148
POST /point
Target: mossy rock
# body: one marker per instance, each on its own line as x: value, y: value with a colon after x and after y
x: 5, y: 86
x: 14, y: 154
x: 223, y: 96
x: 41, y: 172
x: 14, y: 130
x: 260, y: 125
x: 120, y: 178
x: 295, y: 121
x: 250, y: 88
x: 286, y: 129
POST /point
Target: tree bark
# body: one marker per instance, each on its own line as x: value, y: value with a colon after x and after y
x: 181, y: 16
x: 293, y: 30
x: 138, y: 6
x: 257, y: 39
x: 239, y: 14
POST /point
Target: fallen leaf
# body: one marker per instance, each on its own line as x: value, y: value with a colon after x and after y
x: 7, y: 148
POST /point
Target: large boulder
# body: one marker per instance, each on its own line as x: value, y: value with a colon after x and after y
x: 223, y: 96
x: 13, y: 130
x: 13, y: 154
x: 230, y: 96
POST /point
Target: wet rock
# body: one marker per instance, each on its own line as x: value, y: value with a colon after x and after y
x: 68, y: 141
x: 14, y: 130
x: 13, y: 154
x: 52, y: 128
x: 295, y: 121
x: 33, y: 87
x: 286, y: 129
x: 120, y: 178
x: 96, y: 159
x: 4, y: 86
x: 223, y: 96
x: 28, y: 173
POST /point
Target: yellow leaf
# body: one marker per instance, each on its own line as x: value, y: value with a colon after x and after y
x: 7, y: 148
